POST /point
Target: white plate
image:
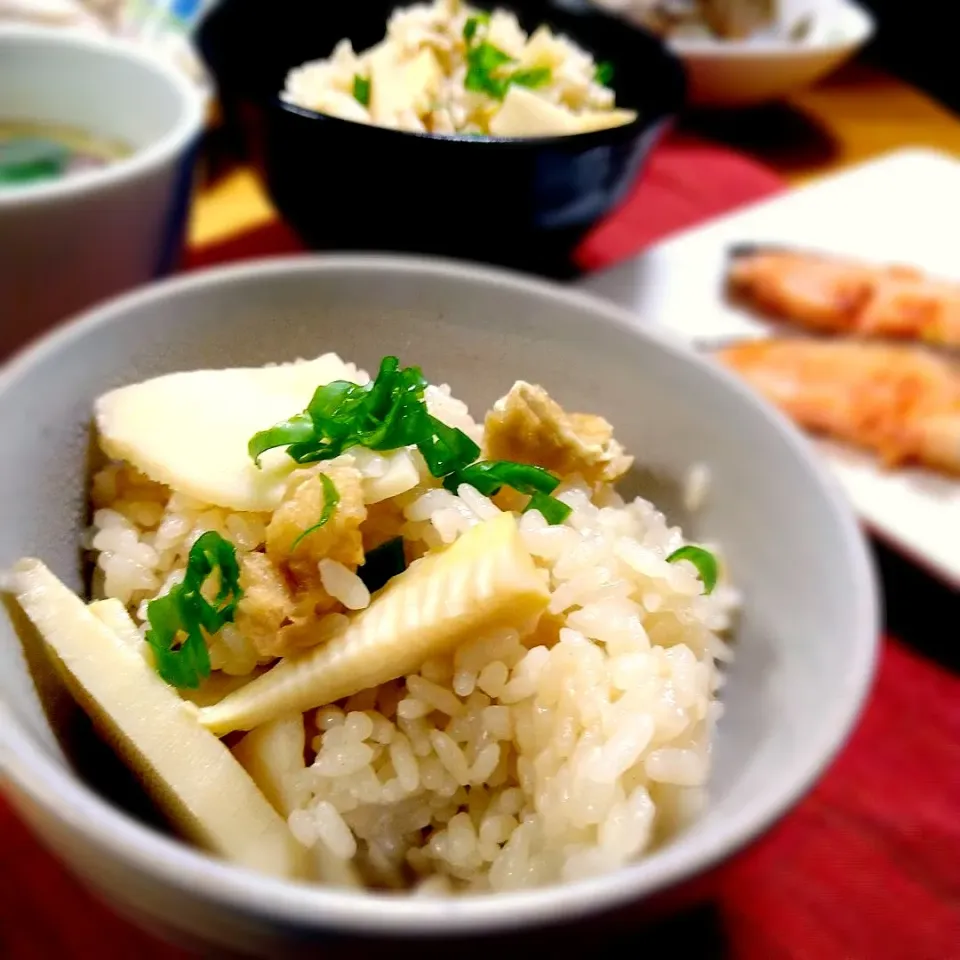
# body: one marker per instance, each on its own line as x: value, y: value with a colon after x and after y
x: 903, y: 207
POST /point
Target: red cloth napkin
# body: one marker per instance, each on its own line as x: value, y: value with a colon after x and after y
x: 866, y: 868
x: 686, y: 182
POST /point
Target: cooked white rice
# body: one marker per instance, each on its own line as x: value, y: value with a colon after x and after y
x: 519, y: 760
x: 445, y: 105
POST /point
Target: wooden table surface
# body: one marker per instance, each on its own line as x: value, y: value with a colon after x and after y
x: 856, y: 115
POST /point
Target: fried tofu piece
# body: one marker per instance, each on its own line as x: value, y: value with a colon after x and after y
x: 267, y: 603
x: 284, y: 601
x: 528, y: 426
x: 279, y: 620
x: 339, y: 539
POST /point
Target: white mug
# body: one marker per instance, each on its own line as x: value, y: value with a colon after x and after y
x: 68, y: 243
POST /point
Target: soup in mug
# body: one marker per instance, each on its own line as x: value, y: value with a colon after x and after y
x: 37, y: 152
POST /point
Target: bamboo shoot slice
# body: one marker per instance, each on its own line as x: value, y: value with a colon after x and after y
x: 485, y: 581
x: 270, y: 754
x: 273, y: 754
x: 113, y: 614
x: 526, y: 114
x: 604, y: 119
x: 190, y: 430
x: 191, y: 775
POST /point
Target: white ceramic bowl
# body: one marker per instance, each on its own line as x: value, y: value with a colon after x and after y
x: 805, y: 647
x: 726, y: 73
x: 68, y: 243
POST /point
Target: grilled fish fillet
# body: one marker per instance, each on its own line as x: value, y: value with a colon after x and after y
x: 843, y: 296
x: 899, y: 401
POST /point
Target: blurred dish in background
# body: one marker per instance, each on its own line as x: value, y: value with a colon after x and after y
x: 745, y: 52
x: 163, y: 26
x: 830, y: 294
x: 69, y: 99
x: 897, y: 400
x: 720, y: 19
x: 524, y: 202
x: 907, y: 407
x: 900, y: 402
x: 449, y: 68
x: 65, y: 14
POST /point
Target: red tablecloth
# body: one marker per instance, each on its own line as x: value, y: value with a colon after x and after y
x: 866, y: 868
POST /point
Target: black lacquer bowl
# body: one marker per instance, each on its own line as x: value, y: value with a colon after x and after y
x: 525, y: 203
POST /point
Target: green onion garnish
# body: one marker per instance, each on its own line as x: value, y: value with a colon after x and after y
x: 446, y: 449
x: 390, y: 413
x: 489, y: 476
x: 470, y: 27
x: 185, y: 614
x: 483, y: 61
x: 554, y: 511
x: 604, y: 73
x: 705, y: 562
x: 28, y: 159
x: 532, y: 78
x: 361, y: 89
x: 386, y: 414
x: 331, y: 497
x: 382, y: 564
x: 298, y: 429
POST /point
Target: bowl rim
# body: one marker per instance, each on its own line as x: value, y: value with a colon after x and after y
x: 177, y: 139
x: 861, y: 26
x: 75, y: 807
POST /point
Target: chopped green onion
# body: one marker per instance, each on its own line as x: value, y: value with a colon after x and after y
x: 483, y: 61
x: 331, y: 497
x: 184, y: 613
x: 382, y: 564
x: 28, y: 159
x: 386, y: 414
x: 604, y: 73
x: 554, y: 511
x: 297, y: 429
x: 703, y: 560
x: 488, y: 57
x: 484, y: 66
x: 532, y: 78
x: 472, y: 24
x: 447, y: 449
x: 361, y: 90
x: 489, y: 476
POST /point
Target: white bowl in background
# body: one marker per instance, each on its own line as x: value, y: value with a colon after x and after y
x: 742, y: 73
x: 805, y: 642
x: 67, y: 243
